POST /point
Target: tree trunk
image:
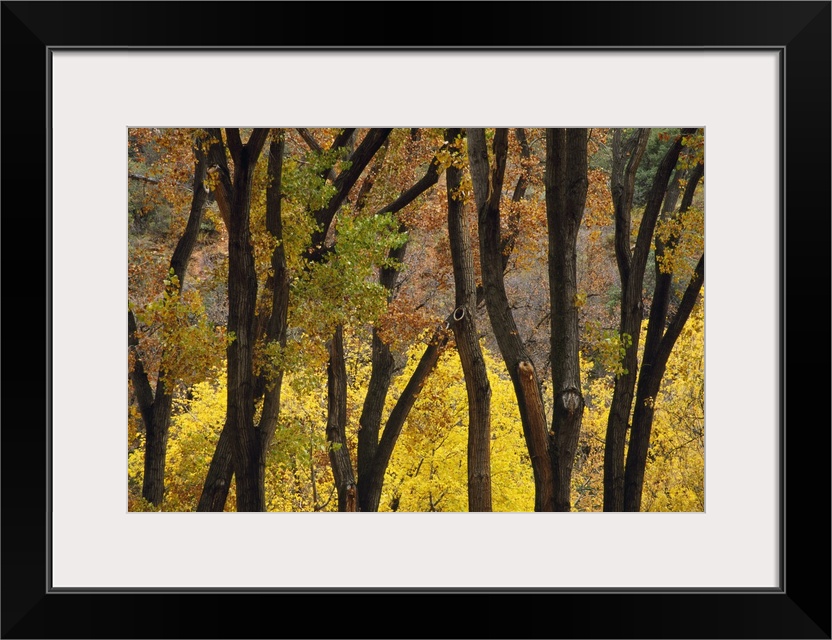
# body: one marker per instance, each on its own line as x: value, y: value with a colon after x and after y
x: 156, y: 443
x: 566, y: 186
x: 279, y: 284
x: 622, y: 184
x: 370, y: 421
x: 487, y: 191
x: 468, y: 346
x: 242, y: 298
x: 370, y: 491
x: 156, y: 408
x: 370, y: 470
x: 220, y: 473
x: 650, y: 379
x: 336, y: 420
x: 221, y: 470
x: 370, y: 486
x: 631, y: 267
x: 657, y: 347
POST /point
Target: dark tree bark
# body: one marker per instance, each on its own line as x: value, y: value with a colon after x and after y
x: 381, y: 359
x: 336, y: 382
x: 343, y: 183
x: 625, y: 161
x: 566, y: 185
x: 156, y: 407
x: 220, y: 471
x: 467, y: 344
x: 278, y: 282
x: 370, y: 490
x: 370, y: 178
x: 370, y: 483
x: 370, y: 470
x: 488, y: 182
x: 336, y: 420
x: 631, y: 268
x: 381, y: 375
x: 247, y: 449
x: 658, y: 345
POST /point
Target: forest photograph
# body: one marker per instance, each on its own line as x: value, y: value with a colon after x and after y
x: 415, y: 320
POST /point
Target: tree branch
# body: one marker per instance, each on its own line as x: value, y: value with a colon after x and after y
x: 136, y: 176
x: 185, y: 246
x: 342, y: 139
x: 235, y: 144
x: 370, y: 178
x: 622, y: 186
x: 654, y: 205
x: 682, y: 314
x: 508, y: 240
x: 307, y: 136
x: 343, y: 183
x: 218, y: 163
x: 430, y: 178
x: 255, y: 143
x: 309, y: 139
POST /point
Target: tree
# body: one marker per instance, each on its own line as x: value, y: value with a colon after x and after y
x: 467, y: 343
x: 487, y: 183
x: 218, y: 479
x: 566, y: 188
x: 662, y: 334
x: 155, y: 407
x: 336, y: 374
x: 374, y: 446
x: 247, y: 442
x: 428, y: 470
x: 316, y: 253
x: 632, y: 262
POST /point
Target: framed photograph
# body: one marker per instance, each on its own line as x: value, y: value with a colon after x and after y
x: 754, y: 75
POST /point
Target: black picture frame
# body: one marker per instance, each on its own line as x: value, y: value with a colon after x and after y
x: 800, y: 608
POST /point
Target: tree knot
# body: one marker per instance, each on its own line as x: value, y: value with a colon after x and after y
x: 571, y: 400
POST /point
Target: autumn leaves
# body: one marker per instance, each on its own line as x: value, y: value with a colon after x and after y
x: 348, y: 251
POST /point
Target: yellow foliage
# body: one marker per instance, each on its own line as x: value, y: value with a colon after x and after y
x: 195, y: 428
x: 191, y: 344
x: 686, y: 231
x: 674, y: 476
x: 428, y: 469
